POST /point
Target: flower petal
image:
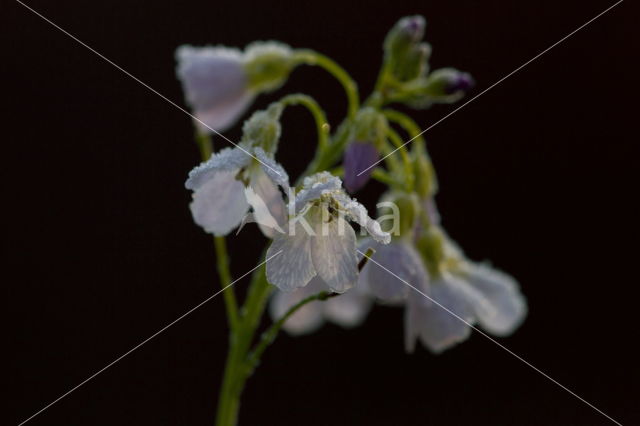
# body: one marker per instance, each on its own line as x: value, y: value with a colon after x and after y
x: 215, y: 84
x: 227, y: 159
x: 503, y: 307
x: 358, y: 213
x: 275, y: 171
x: 290, y: 265
x: 358, y: 158
x: 349, y: 309
x: 333, y: 251
x: 438, y: 328
x: 397, y: 258
x: 265, y: 198
x: 219, y: 204
x: 306, y: 319
x: 314, y: 187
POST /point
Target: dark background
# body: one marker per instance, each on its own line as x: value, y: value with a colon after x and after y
x: 538, y: 175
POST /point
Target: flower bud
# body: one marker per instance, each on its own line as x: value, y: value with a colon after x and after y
x: 407, y: 209
x: 263, y: 128
x: 268, y: 65
x: 406, y: 57
x: 405, y: 33
x: 425, y: 181
x: 358, y: 157
x: 448, y: 82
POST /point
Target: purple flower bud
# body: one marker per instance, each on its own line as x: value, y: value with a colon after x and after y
x: 459, y: 82
x: 413, y: 27
x: 357, y: 157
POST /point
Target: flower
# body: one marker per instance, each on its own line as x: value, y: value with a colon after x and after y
x: 325, y: 246
x: 348, y: 310
x: 222, y: 184
x: 399, y: 257
x: 443, y: 292
x: 215, y: 85
x: 477, y: 294
x: 358, y: 156
x: 220, y: 83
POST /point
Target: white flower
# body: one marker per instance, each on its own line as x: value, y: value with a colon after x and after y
x: 215, y: 85
x: 318, y: 240
x: 399, y: 257
x: 476, y: 293
x: 222, y: 184
x: 348, y: 310
x: 220, y: 83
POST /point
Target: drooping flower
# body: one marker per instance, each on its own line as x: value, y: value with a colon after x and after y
x: 443, y: 292
x: 317, y: 240
x: 219, y: 184
x: 347, y: 310
x: 358, y: 158
x: 215, y: 85
x: 475, y: 293
x: 220, y: 83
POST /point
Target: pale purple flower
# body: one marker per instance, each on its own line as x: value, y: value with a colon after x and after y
x: 476, y: 293
x: 220, y: 193
x: 215, y: 84
x: 399, y: 257
x: 358, y: 157
x: 317, y: 240
x: 347, y: 310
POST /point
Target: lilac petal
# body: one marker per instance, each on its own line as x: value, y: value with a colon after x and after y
x: 357, y: 157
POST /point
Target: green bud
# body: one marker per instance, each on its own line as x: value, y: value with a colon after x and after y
x: 415, y: 63
x: 263, y: 128
x: 268, y: 65
x: 425, y: 183
x: 404, y: 34
x: 431, y: 246
x: 448, y: 84
x: 404, y: 207
x: 369, y: 125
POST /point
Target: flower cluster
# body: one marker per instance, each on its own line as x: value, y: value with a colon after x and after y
x: 313, y: 245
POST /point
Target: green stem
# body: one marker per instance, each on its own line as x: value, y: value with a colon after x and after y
x: 397, y: 141
x: 229, y: 295
x: 322, y: 125
x: 311, y: 57
x: 269, y: 336
x: 407, y: 123
x: 383, y: 176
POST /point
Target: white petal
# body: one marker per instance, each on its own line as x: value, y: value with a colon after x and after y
x: 227, y: 159
x: 439, y: 329
x: 358, y: 213
x: 292, y: 267
x: 314, y: 187
x: 274, y: 170
x: 266, y: 200
x: 350, y: 308
x: 503, y: 307
x: 397, y: 258
x: 215, y: 84
x: 223, y: 114
x: 333, y: 251
x: 306, y: 319
x: 219, y: 204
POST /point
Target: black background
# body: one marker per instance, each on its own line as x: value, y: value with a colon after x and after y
x: 538, y: 175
